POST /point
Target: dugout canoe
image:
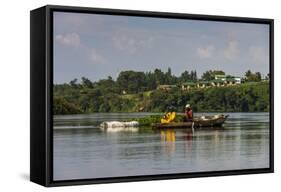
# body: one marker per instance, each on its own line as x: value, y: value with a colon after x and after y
x: 203, y: 121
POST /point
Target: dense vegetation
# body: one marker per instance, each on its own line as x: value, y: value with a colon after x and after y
x: 136, y: 91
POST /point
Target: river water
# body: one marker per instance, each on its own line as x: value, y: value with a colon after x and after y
x: 82, y: 150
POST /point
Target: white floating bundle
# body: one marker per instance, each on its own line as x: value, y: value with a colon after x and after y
x: 118, y: 124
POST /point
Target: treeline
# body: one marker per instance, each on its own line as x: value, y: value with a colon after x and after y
x: 134, y: 82
x: 136, y: 91
x: 131, y: 82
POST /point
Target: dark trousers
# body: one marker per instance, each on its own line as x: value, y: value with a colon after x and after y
x: 186, y: 119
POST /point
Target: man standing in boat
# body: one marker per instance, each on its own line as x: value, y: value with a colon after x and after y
x: 188, y: 113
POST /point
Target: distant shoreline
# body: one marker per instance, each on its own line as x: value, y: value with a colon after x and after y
x: 152, y: 113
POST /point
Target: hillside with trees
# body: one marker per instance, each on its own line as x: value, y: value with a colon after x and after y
x: 134, y: 91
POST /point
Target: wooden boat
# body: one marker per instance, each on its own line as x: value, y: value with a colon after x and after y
x: 203, y: 121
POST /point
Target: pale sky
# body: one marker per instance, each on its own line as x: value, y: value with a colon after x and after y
x: 98, y: 46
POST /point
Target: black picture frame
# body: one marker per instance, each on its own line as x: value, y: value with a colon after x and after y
x: 41, y: 81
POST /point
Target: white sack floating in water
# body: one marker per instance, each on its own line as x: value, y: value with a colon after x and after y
x: 118, y: 124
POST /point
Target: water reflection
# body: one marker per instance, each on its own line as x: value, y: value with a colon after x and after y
x: 168, y: 138
x: 90, y: 152
x: 168, y: 135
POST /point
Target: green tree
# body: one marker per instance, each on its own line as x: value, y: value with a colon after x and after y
x: 73, y: 82
x: 150, y: 81
x: 62, y: 106
x: 159, y: 77
x: 86, y: 82
x: 252, y: 77
x: 193, y: 75
x: 131, y: 81
x: 210, y: 75
x: 185, y: 76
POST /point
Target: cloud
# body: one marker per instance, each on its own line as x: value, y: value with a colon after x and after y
x: 205, y: 52
x: 96, y: 57
x: 231, y: 50
x: 132, y: 41
x: 259, y: 55
x: 81, y: 23
x: 69, y: 39
x: 73, y: 39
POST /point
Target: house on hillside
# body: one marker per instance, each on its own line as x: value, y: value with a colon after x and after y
x: 204, y: 84
x: 219, y: 81
x: 188, y: 85
x: 166, y: 87
x: 220, y: 77
x: 228, y: 79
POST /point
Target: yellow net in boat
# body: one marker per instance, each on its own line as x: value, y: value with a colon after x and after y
x: 168, y: 117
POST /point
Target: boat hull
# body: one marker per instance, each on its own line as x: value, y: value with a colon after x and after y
x: 212, y: 121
